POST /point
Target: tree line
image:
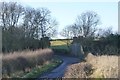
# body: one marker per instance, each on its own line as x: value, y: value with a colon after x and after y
x: 85, y: 25
x: 25, y: 27
x: 28, y: 28
x: 94, y: 39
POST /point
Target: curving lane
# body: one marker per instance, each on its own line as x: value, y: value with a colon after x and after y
x: 59, y: 71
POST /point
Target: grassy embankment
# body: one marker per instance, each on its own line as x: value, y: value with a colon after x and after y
x: 28, y: 64
x: 94, y: 67
x: 60, y: 46
x: 49, y: 66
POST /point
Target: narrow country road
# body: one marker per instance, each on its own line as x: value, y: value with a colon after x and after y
x: 59, y: 71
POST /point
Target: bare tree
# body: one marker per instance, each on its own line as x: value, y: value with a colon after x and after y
x: 29, y: 25
x: 104, y: 32
x: 66, y: 32
x: 47, y: 25
x: 26, y: 24
x: 75, y: 30
x: 39, y: 23
x: 87, y: 23
x: 71, y: 31
x: 10, y: 14
x: 107, y: 32
x: 85, y: 26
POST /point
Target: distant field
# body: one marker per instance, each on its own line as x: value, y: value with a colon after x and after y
x: 60, y: 46
x: 59, y: 42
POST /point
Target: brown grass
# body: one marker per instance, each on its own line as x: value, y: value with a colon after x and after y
x: 105, y: 66
x: 24, y: 60
x: 77, y: 71
x: 94, y: 67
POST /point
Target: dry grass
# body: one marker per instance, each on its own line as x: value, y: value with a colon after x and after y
x: 76, y: 71
x: 94, y: 67
x: 105, y: 66
x: 24, y: 60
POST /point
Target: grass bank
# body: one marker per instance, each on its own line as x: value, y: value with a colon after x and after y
x: 38, y: 71
x: 94, y: 67
x: 24, y: 62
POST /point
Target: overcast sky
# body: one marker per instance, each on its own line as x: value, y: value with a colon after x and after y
x: 66, y: 12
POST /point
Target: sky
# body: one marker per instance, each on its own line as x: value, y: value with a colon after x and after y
x: 66, y: 12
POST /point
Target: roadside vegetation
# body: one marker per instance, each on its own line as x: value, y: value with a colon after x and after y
x: 94, y: 67
x: 25, y: 61
x: 46, y: 68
